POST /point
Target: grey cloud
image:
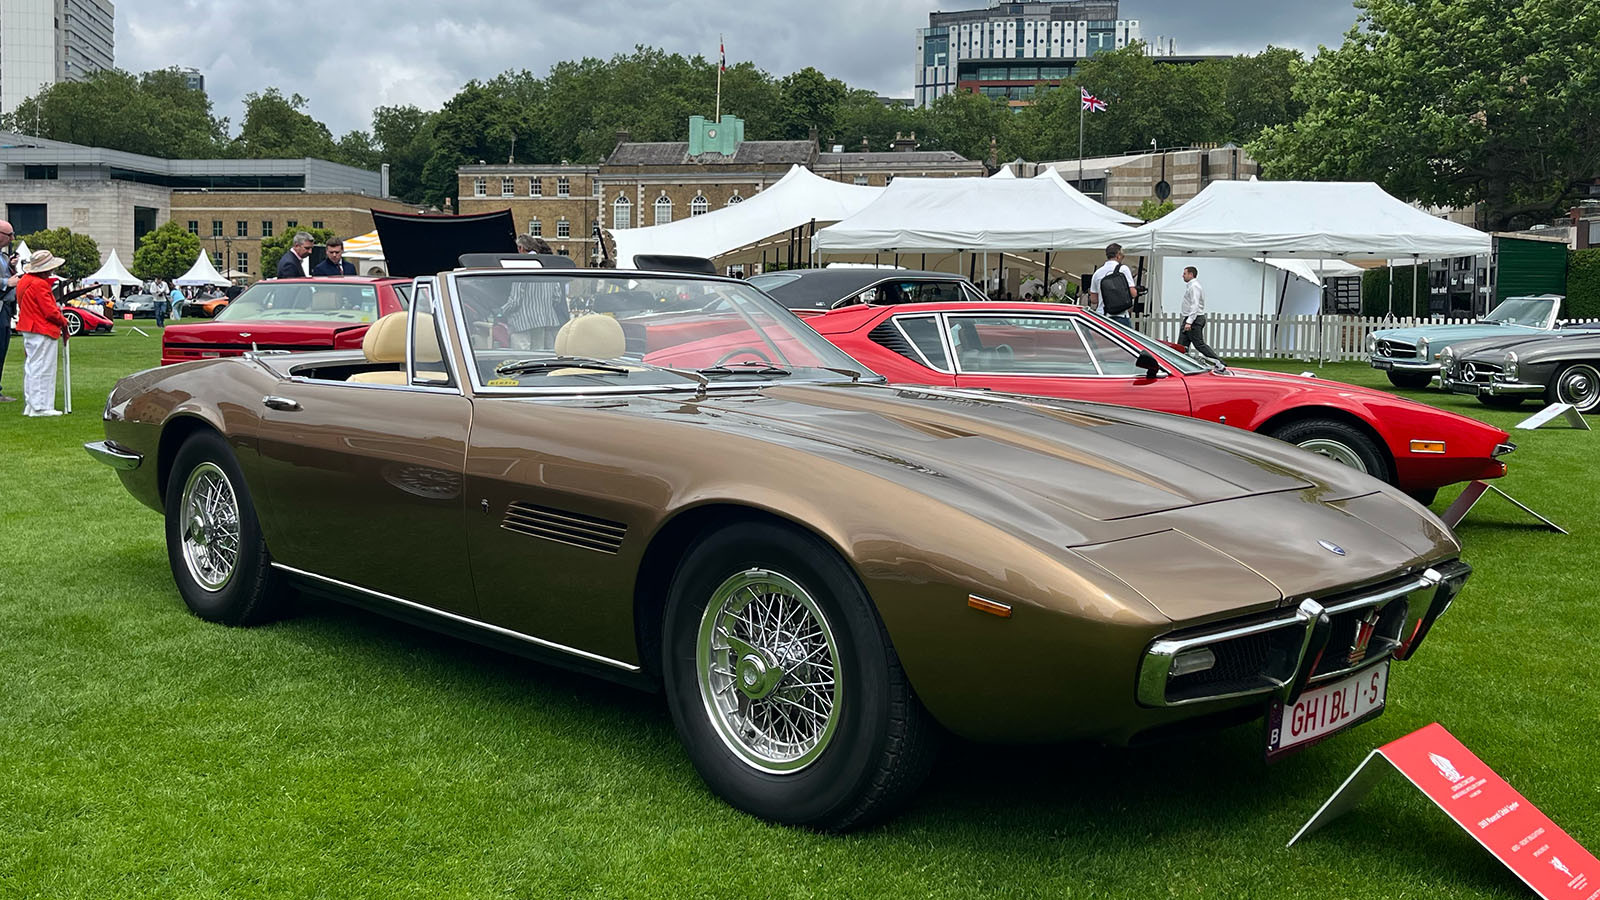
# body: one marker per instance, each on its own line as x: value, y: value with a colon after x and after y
x: 348, y: 58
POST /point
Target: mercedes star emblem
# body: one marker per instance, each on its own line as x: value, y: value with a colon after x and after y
x: 1333, y: 548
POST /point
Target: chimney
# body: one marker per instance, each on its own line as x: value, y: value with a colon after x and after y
x: 994, y: 154
x: 623, y: 137
x: 812, y: 134
x: 383, y: 180
x: 904, y: 144
x: 865, y: 146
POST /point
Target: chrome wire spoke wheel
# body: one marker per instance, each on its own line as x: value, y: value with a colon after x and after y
x: 210, y: 527
x: 768, y: 668
x: 1579, y: 387
x: 1337, y: 451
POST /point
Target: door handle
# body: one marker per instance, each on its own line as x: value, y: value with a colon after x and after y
x: 280, y: 403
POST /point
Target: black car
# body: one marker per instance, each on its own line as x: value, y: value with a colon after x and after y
x: 1563, y: 367
x: 824, y: 289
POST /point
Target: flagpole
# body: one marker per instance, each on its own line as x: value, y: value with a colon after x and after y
x: 1081, y: 106
x: 722, y: 63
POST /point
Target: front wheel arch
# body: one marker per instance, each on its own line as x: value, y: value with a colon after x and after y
x: 1302, y: 413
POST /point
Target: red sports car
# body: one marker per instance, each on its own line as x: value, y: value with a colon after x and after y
x: 294, y: 314
x: 1067, y: 351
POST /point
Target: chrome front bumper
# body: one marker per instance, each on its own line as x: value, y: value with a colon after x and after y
x: 114, y: 456
x: 1284, y: 654
x: 1492, y: 388
x: 1389, y: 364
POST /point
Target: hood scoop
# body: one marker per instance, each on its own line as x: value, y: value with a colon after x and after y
x: 562, y: 527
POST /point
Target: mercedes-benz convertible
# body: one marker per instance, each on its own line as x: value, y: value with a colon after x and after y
x: 671, y: 481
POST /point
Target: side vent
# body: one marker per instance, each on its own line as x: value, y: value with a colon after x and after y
x: 890, y: 338
x: 570, y: 528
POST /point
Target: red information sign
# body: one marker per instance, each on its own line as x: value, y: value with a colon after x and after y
x: 1546, y: 858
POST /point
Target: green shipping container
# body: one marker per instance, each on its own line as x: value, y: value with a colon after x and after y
x: 1529, y: 268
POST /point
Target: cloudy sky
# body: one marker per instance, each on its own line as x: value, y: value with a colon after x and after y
x: 350, y: 57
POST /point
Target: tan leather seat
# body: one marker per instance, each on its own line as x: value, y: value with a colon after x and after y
x: 325, y: 298
x: 592, y: 336
x: 385, y: 342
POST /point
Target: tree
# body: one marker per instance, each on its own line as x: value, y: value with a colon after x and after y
x: 808, y: 99
x: 964, y: 122
x: 357, y: 148
x: 79, y: 250
x: 276, y: 128
x: 1258, y: 92
x: 167, y: 252
x: 155, y: 114
x: 861, y: 116
x: 273, y: 248
x: 1454, y: 103
x: 404, y: 138
x: 1152, y: 209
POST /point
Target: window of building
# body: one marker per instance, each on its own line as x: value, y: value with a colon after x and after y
x: 622, y: 213
x: 266, y: 228
x: 699, y: 206
x: 735, y: 199
x: 563, y: 228
x: 535, y: 187
x: 41, y: 173
x: 216, y: 259
x: 536, y: 227
x: 597, y: 189
x: 663, y: 210
x: 316, y: 223
x: 507, y: 186
x: 194, y: 226
x: 216, y: 228
x: 861, y: 180
x: 563, y: 186
x: 291, y: 224
x: 241, y: 261
x: 480, y: 187
x: 241, y: 228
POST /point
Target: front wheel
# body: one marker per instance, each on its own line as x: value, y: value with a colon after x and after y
x: 1339, y: 441
x: 1577, y: 385
x: 1501, y: 401
x: 1411, y: 381
x: 218, y: 556
x: 785, y: 690
x: 74, y: 322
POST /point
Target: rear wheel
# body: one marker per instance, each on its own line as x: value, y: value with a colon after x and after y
x: 1577, y: 385
x: 1411, y: 381
x: 74, y: 322
x: 1339, y: 441
x: 785, y: 690
x: 1501, y: 401
x: 218, y: 556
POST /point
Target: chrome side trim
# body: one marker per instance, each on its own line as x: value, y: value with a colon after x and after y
x: 462, y: 620
x: 114, y: 456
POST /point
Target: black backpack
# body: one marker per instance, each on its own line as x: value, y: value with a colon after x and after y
x: 1115, y: 293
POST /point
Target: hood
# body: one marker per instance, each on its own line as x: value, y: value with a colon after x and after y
x: 1444, y: 335
x: 1557, y: 344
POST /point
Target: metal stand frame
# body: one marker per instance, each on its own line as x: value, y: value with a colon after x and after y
x: 1552, y: 412
x: 66, y: 374
x: 1474, y: 492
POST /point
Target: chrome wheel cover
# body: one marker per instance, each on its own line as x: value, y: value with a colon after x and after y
x: 74, y: 324
x: 1338, y: 451
x: 1580, y: 387
x: 768, y: 671
x: 209, y: 527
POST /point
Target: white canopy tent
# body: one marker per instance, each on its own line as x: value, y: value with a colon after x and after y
x: 113, y: 272
x: 985, y: 215
x: 799, y: 198
x: 1087, y: 202
x: 202, y: 273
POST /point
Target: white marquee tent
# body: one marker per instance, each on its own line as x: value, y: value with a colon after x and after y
x: 991, y: 215
x: 798, y: 198
x: 202, y: 273
x: 1085, y: 201
x: 113, y: 272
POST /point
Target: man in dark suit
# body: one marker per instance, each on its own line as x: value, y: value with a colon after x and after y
x: 292, y: 264
x: 335, y: 265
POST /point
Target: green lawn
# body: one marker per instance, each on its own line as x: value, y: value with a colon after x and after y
x: 148, y: 754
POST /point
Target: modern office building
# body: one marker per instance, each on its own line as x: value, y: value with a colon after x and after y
x: 192, y: 78
x: 1008, y: 48
x: 46, y: 41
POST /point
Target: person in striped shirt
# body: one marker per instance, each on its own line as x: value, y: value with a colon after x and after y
x: 536, y: 310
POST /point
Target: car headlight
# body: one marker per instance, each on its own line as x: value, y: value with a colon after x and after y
x: 1447, y: 357
x: 1372, y: 343
x: 1511, y: 365
x: 1422, y: 349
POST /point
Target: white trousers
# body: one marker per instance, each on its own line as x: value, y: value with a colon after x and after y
x: 38, y: 373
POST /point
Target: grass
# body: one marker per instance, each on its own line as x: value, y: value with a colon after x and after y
x: 146, y: 753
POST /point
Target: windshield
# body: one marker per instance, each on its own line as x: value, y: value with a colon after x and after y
x: 1185, y: 364
x: 558, y: 328
x: 771, y: 280
x: 1530, y: 311
x: 304, y: 301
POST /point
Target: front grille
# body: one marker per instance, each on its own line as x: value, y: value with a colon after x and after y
x: 562, y: 527
x: 1347, y: 651
x: 1481, y: 373
x: 1395, y: 350
x: 1257, y: 662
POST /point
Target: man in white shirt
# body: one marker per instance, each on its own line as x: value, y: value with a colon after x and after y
x: 1194, y: 315
x: 1113, y: 264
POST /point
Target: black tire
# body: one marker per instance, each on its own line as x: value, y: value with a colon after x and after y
x: 883, y: 743
x: 1426, y: 497
x: 1577, y: 384
x: 74, y: 322
x: 1501, y: 401
x: 1332, y: 438
x: 254, y: 592
x: 1411, y: 381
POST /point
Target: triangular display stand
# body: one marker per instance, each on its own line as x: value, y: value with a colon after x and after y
x: 1474, y: 492
x: 1552, y: 412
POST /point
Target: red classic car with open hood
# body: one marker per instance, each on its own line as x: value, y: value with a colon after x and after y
x: 294, y: 314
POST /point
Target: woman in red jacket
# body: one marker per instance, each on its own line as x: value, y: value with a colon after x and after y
x: 41, y: 324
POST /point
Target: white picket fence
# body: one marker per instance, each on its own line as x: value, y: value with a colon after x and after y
x: 1312, y: 338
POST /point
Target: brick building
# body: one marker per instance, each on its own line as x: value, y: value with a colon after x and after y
x: 231, y: 224
x: 556, y: 202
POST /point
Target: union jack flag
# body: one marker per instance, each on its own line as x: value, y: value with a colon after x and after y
x: 1091, y: 102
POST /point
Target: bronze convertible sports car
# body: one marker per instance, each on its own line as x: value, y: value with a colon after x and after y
x: 671, y: 481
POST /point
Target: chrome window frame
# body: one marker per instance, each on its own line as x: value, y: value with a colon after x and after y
x: 430, y: 284
x: 939, y: 329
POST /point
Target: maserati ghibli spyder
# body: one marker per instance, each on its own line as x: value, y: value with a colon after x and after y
x: 671, y: 481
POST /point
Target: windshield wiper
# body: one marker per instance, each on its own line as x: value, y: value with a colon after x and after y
x: 852, y: 374
x: 550, y: 363
x: 751, y: 368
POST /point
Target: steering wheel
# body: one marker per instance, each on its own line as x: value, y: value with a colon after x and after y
x: 754, y: 351
x: 1003, y: 350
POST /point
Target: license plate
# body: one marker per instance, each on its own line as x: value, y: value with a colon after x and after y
x: 1463, y: 387
x: 1326, y: 710
x: 1385, y: 364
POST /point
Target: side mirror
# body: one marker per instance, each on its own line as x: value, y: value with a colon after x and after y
x: 1152, y: 368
